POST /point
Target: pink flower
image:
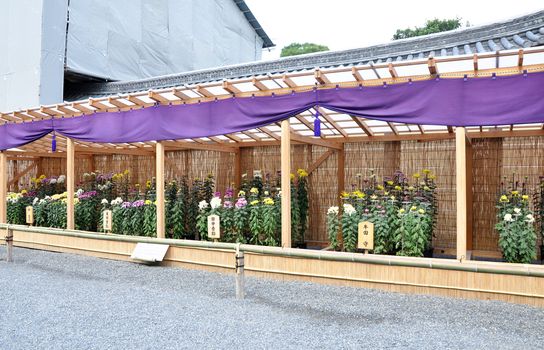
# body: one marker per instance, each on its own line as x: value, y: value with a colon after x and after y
x: 241, y: 202
x: 227, y: 204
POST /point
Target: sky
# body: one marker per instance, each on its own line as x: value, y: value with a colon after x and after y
x: 345, y: 24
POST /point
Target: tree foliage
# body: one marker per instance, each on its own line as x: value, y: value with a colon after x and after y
x: 300, y: 49
x: 431, y: 26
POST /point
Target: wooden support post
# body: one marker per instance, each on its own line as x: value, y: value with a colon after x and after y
x: 341, y: 174
x: 70, y: 183
x: 237, y: 169
x: 285, y: 184
x: 161, y: 228
x: 469, y: 197
x: 3, y: 186
x: 461, y: 191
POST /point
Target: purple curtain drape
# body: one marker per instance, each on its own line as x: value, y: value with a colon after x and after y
x: 501, y: 100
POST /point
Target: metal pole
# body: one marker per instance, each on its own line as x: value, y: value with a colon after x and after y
x: 9, y: 244
x: 240, y: 292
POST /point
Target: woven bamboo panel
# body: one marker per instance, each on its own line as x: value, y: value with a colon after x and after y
x: 439, y: 157
x: 486, y: 170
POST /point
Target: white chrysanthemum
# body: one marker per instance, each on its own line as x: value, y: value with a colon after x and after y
x: 202, y: 205
x: 530, y: 218
x: 117, y: 201
x: 80, y: 192
x: 53, y: 181
x: 215, y: 203
x: 61, y: 179
x: 517, y: 210
x: 35, y: 201
x: 349, y: 209
x: 104, y: 201
x: 508, y: 217
x: 332, y: 210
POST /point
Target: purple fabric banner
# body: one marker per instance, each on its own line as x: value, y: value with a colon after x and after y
x: 490, y: 101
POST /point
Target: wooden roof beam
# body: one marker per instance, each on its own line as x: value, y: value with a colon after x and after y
x: 357, y: 75
x: 36, y: 114
x: 475, y: 62
x: 98, y: 105
x: 392, y: 71
x: 433, y: 69
x: 288, y: 81
x: 314, y: 141
x: 362, y: 125
x: 139, y: 102
x: 117, y: 103
x: 520, y: 58
x: 230, y: 87
x: 176, y: 145
x: 82, y: 108
x: 393, y: 128
x: 203, y: 91
x: 181, y: 95
x: 258, y: 84
x: 321, y: 77
x: 331, y: 121
x: 155, y: 96
x: 67, y: 111
x: 22, y: 116
x: 50, y: 112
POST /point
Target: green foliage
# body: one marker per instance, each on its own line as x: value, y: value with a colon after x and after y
x: 350, y: 220
x: 149, y: 220
x: 56, y: 215
x: 414, y: 232
x: 516, y: 224
x: 431, y: 26
x: 333, y: 225
x: 87, y: 214
x: 295, y: 49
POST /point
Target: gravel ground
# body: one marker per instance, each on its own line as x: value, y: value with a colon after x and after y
x: 64, y: 301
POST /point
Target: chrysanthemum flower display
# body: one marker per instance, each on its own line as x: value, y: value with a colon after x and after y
x: 515, y: 222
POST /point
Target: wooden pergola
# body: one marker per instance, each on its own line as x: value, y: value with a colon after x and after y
x: 337, y: 128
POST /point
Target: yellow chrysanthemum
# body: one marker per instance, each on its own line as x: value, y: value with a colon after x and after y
x: 515, y: 193
x: 148, y: 184
x: 302, y: 173
x: 398, y: 188
x: 413, y: 208
x: 255, y: 202
x: 421, y: 211
x: 23, y: 192
x: 268, y: 201
x: 254, y: 190
x: 390, y: 183
x: 426, y: 171
x: 379, y: 187
x: 525, y: 197
x: 344, y: 195
x: 147, y: 202
x: 503, y: 199
x: 292, y: 176
x: 358, y: 194
x: 241, y: 193
x: 401, y: 210
x: 411, y: 188
x: 416, y: 175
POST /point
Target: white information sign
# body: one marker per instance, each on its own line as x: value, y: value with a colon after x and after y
x: 149, y: 252
x: 214, y: 229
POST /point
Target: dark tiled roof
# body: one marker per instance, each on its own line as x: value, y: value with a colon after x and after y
x: 267, y: 42
x: 521, y: 32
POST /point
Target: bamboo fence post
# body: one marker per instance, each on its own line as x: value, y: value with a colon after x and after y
x: 160, y: 189
x: 237, y: 169
x: 285, y: 184
x: 3, y: 186
x: 461, y: 191
x: 70, y: 183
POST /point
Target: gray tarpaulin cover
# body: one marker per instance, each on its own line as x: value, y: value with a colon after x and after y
x: 130, y: 39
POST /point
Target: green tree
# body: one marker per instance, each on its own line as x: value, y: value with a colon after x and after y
x: 300, y: 49
x: 431, y: 26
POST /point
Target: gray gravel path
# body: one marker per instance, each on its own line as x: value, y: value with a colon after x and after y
x: 63, y: 301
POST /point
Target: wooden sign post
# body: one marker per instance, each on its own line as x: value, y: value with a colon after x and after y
x: 214, y: 227
x: 365, y: 239
x: 30, y: 215
x: 107, y: 220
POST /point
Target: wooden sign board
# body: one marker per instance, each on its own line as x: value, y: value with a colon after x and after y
x: 366, y: 235
x: 107, y: 219
x: 30, y: 215
x: 214, y: 227
x: 149, y: 252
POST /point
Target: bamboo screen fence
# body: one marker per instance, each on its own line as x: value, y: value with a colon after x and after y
x: 493, y: 158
